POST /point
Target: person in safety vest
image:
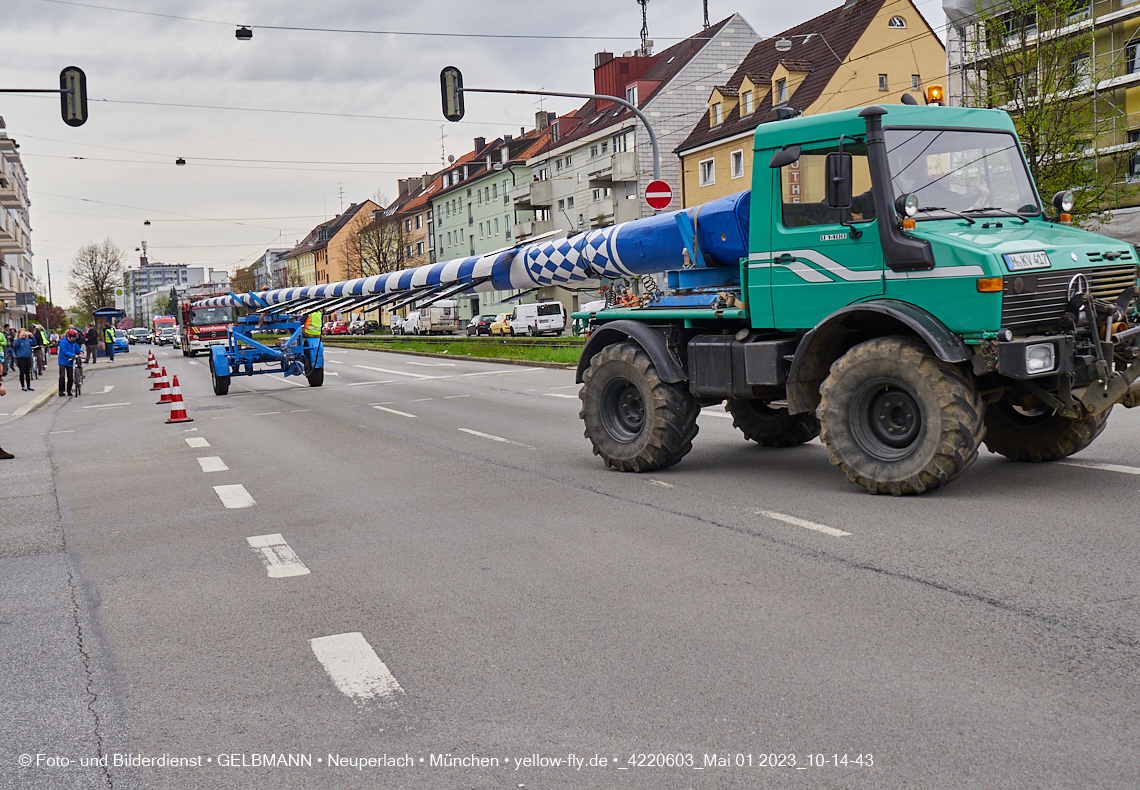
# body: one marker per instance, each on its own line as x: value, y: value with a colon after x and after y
x: 109, y: 341
x: 312, y: 327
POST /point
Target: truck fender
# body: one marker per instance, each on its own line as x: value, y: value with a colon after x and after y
x: 219, y: 360
x: 847, y: 327
x: 669, y: 368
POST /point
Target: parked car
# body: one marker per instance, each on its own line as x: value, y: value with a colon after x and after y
x: 338, y: 328
x: 501, y: 325
x: 137, y: 335
x: 542, y: 318
x: 166, y: 335
x: 411, y: 324
x: 122, y: 342
x: 480, y: 325
x: 396, y: 324
x: 356, y: 327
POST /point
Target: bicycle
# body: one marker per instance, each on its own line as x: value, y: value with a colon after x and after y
x: 78, y: 377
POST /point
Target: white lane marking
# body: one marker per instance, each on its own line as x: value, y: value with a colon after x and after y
x: 107, y: 388
x: 331, y: 373
x: 355, y: 668
x: 55, y: 432
x: 420, y: 400
x: 336, y: 362
x: 431, y: 364
x: 710, y: 413
x: 296, y: 411
x: 288, y: 381
x: 234, y: 496
x: 493, y: 438
x: 335, y: 351
x: 559, y: 395
x: 1128, y: 470
x: 279, y: 558
x: 197, y: 441
x: 189, y: 430
x: 265, y: 413
x: 366, y: 383
x: 396, y: 372
x: 799, y: 522
x: 567, y: 387
x: 105, y: 405
x: 533, y: 389
x: 212, y: 463
x: 193, y: 362
x: 485, y: 373
x: 449, y: 397
x: 661, y: 483
x: 393, y: 411
x: 383, y: 403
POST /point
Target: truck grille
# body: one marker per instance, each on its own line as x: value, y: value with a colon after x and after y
x: 1036, y: 302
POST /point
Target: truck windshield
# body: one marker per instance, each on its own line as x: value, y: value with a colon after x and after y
x: 203, y: 316
x: 960, y: 170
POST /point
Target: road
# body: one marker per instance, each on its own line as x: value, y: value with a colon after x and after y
x: 441, y: 570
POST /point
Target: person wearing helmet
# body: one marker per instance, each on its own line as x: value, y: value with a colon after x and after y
x: 69, y: 349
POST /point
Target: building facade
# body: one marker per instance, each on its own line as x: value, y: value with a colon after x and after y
x: 17, y: 281
x: 156, y: 277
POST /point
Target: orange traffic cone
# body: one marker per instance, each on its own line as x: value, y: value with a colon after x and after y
x: 164, y: 385
x: 177, y: 410
x: 160, y: 382
x: 152, y: 365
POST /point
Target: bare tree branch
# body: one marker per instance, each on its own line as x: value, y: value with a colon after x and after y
x: 96, y: 272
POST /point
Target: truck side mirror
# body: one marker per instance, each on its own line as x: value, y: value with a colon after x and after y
x: 785, y: 156
x: 838, y: 172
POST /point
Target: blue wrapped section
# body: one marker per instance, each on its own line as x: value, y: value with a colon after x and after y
x: 644, y: 246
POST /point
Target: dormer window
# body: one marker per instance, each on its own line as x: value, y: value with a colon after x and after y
x: 631, y: 95
x: 896, y: 22
x: 554, y: 131
x: 746, y: 101
x: 781, y: 91
x: 714, y: 115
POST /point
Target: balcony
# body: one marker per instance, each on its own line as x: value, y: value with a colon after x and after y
x: 602, y: 212
x: 524, y: 230
x: 541, y: 193
x: 9, y: 197
x: 625, y: 166
x: 521, y: 194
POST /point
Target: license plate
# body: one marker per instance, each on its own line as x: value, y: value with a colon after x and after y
x: 1021, y: 261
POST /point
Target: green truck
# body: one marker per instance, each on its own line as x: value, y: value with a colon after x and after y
x: 892, y: 283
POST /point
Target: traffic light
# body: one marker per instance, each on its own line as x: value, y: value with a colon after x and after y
x: 73, y: 96
x: 451, y: 85
x: 935, y: 95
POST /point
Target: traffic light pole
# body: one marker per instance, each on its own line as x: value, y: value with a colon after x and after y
x: 72, y: 91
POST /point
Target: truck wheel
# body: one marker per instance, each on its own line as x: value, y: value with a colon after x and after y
x: 316, y: 377
x: 1038, y: 436
x: 221, y: 383
x: 897, y: 420
x: 771, y: 427
x: 635, y: 421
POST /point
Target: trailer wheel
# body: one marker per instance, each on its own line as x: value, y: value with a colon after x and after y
x: 221, y: 383
x: 1038, y: 436
x: 316, y: 377
x: 771, y: 427
x: 634, y: 420
x: 897, y: 420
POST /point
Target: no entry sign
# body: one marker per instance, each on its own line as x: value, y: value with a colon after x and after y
x: 658, y: 194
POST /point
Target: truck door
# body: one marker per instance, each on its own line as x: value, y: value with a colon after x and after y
x: 817, y: 263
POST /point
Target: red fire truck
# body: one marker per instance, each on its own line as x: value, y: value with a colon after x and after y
x: 203, y: 327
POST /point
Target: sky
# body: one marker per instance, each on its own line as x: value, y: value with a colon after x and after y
x: 351, y: 112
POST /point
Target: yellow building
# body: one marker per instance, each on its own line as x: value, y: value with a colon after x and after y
x: 866, y: 52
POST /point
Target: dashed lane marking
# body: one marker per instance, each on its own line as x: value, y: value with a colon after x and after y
x: 298, y: 411
x: 197, y: 441
x: 722, y: 415
x: 799, y: 522
x: 559, y: 395
x: 107, y: 388
x: 104, y: 405
x: 265, y: 413
x: 661, y: 483
x: 431, y: 364
x: 212, y: 463
x: 234, y: 496
x: 336, y: 362
x: 567, y: 387
x: 449, y: 397
x: 396, y: 372
x: 280, y: 560
x: 1127, y: 470
x: 493, y: 438
x: 355, y: 669
x: 420, y: 400
x: 193, y: 362
x: 288, y: 381
x: 366, y: 383
x: 394, y: 411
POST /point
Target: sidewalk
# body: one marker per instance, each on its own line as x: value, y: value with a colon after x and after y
x: 16, y: 403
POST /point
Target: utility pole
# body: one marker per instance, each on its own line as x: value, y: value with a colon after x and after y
x: 706, y: 14
x: 49, y: 304
x: 645, y: 43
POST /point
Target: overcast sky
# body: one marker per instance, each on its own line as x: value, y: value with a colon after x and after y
x: 135, y: 63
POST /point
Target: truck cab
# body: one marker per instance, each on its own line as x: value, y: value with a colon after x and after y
x: 899, y: 287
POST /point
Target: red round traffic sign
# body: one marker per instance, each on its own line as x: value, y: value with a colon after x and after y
x: 658, y: 194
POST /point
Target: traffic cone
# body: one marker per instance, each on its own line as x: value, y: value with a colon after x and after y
x: 177, y: 410
x: 160, y: 382
x: 152, y: 365
x: 165, y: 389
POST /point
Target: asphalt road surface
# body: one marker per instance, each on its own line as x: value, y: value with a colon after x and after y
x: 418, y: 576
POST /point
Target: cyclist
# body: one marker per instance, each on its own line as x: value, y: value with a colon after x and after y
x: 69, y: 350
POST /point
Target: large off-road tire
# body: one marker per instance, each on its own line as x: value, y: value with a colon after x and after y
x: 897, y: 420
x: 221, y: 383
x: 635, y: 421
x: 316, y: 377
x: 771, y: 427
x: 1040, y: 436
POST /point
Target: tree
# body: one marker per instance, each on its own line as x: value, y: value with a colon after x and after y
x: 1017, y: 60
x: 96, y: 271
x: 161, y: 305
x: 376, y: 248
x: 243, y: 280
x: 56, y: 321
x: 172, y: 302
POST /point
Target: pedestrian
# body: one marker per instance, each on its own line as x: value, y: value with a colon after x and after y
x: 23, y: 350
x: 4, y: 456
x: 5, y: 343
x: 91, y: 340
x: 69, y: 349
x: 40, y: 344
x: 109, y: 339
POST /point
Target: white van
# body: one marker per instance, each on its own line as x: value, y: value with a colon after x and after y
x: 411, y: 323
x: 542, y: 318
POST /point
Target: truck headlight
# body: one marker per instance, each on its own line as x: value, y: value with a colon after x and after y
x: 1040, y: 358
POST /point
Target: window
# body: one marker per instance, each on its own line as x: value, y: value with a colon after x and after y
x: 597, y: 195
x: 506, y: 194
x: 803, y: 186
x: 480, y: 230
x: 1134, y: 156
x: 1081, y: 69
x: 593, y: 151
x: 736, y: 164
x: 746, y: 101
x: 496, y: 226
x: 570, y: 202
x: 487, y: 193
x: 468, y: 188
x: 707, y: 171
x: 882, y: 82
x: 568, y: 160
x: 581, y: 220
x: 557, y: 164
x: 915, y: 82
x: 714, y: 115
x: 408, y: 251
x: 1130, y: 58
x: 419, y: 249
x: 419, y: 221
x: 631, y: 95
x: 896, y: 22
x: 605, y: 147
x: 561, y: 205
x: 408, y: 225
x: 781, y: 91
x: 507, y: 221
x: 480, y: 197
x: 554, y: 131
x: 495, y: 191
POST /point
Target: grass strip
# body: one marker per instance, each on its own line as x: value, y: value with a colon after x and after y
x: 468, y: 348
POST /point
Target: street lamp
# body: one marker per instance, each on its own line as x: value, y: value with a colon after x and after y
x: 243, y: 33
x: 784, y: 44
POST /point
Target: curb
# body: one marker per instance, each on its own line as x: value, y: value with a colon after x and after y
x: 520, y: 362
x: 30, y: 406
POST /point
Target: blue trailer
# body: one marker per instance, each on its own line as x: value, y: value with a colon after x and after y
x: 243, y: 356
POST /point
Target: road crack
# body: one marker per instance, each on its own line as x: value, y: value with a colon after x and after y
x: 89, y: 680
